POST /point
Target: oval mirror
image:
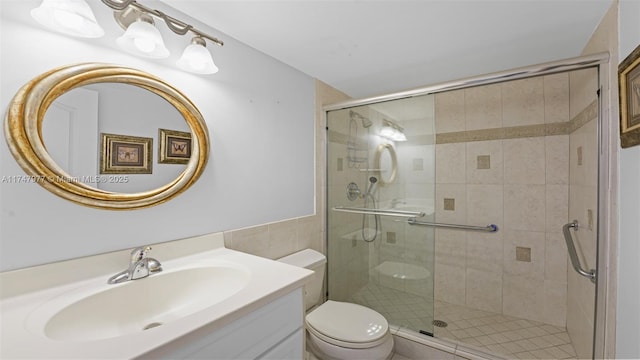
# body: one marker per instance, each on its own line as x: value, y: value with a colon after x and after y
x: 107, y: 156
x: 386, y: 163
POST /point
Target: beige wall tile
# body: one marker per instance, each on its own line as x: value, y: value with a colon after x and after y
x: 533, y: 240
x: 450, y: 283
x: 524, y: 207
x: 484, y: 205
x: 524, y: 161
x: 582, y: 90
x: 310, y: 232
x: 523, y: 297
x: 483, y: 107
x: 555, y: 260
x: 556, y: 98
x: 557, y: 159
x: 484, y: 290
x: 451, y: 247
x: 493, y: 175
x: 581, y: 296
x: 484, y: 251
x: 253, y: 240
x: 557, y: 207
x: 450, y: 111
x: 555, y: 303
x: 451, y: 191
x: 591, y: 153
x: 283, y: 238
x: 451, y: 163
x: 523, y: 102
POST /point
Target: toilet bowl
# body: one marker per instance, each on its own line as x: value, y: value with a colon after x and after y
x: 339, y: 330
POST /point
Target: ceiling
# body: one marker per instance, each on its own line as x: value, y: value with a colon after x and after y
x: 368, y: 48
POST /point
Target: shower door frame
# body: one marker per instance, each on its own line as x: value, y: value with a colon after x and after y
x: 604, y: 317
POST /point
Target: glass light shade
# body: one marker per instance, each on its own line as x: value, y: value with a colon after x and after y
x: 392, y: 133
x: 70, y: 17
x: 400, y: 136
x: 197, y: 59
x: 387, y: 132
x: 142, y: 38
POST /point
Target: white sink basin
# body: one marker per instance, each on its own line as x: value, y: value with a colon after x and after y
x: 140, y: 305
x: 67, y: 310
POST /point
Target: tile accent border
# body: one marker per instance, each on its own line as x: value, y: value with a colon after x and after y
x: 563, y: 128
x: 514, y: 132
x: 589, y: 113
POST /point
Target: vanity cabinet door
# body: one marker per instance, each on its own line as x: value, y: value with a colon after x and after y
x: 273, y: 331
x: 290, y: 348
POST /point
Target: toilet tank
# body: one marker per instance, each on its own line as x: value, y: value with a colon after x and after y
x: 315, y: 261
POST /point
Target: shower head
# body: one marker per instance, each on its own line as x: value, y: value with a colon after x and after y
x: 372, y: 183
x: 366, y: 123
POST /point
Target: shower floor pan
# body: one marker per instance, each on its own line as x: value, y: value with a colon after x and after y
x: 491, y: 332
x: 398, y: 270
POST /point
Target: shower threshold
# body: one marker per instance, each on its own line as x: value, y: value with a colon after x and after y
x: 487, y: 331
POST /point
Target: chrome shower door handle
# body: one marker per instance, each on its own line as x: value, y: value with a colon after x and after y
x: 573, y: 254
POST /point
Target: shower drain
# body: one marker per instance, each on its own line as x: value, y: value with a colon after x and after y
x: 440, y: 323
x: 152, y: 325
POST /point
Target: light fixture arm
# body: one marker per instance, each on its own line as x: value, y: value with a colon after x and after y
x: 175, y: 25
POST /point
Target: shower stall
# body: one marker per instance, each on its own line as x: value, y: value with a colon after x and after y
x: 446, y: 208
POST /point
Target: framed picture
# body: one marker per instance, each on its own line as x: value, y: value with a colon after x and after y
x: 175, y: 147
x: 629, y: 81
x: 122, y: 154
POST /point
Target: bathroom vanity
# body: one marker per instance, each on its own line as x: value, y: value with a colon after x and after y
x: 207, y: 302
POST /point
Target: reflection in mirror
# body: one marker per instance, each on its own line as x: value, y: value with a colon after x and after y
x: 386, y: 163
x: 73, y: 123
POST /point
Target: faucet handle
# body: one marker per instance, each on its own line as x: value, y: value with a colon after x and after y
x: 139, y: 253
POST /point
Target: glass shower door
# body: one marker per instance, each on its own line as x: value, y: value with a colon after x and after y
x: 381, y: 166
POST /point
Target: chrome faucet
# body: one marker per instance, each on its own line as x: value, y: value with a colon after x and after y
x: 140, y: 266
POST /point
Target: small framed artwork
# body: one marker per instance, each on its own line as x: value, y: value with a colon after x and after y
x: 175, y: 146
x: 629, y: 82
x: 122, y: 154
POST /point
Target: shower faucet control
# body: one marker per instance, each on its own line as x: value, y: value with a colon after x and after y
x: 353, y: 191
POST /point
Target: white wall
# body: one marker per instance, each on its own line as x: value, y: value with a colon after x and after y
x: 628, y: 311
x: 260, y: 114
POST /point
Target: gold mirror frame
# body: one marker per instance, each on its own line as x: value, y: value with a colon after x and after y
x: 394, y: 163
x: 23, y: 131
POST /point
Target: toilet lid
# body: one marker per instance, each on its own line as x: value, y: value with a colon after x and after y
x: 347, y: 322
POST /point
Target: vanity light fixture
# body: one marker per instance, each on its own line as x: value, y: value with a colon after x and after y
x: 196, y: 58
x: 392, y: 131
x: 141, y: 37
x: 70, y: 17
x: 129, y: 13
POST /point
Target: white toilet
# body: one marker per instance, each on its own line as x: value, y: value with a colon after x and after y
x: 339, y: 330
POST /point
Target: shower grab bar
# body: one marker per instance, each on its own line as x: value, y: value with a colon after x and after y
x: 367, y: 211
x: 573, y: 254
x: 488, y: 228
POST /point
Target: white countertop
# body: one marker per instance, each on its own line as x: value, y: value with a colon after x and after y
x: 22, y: 334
